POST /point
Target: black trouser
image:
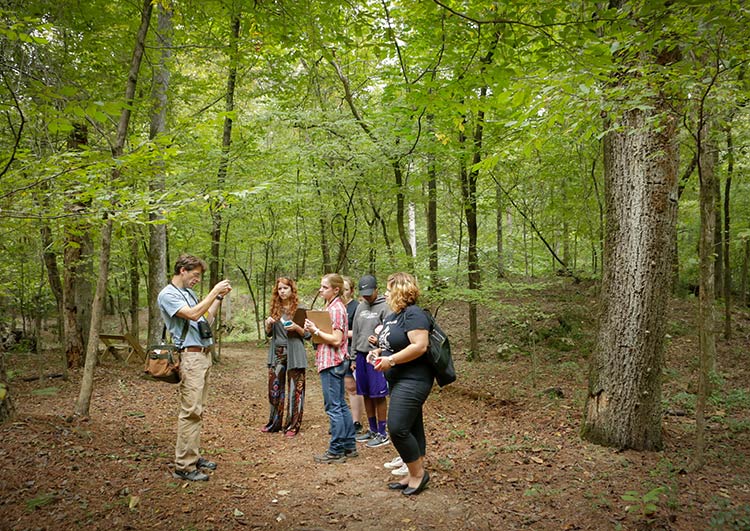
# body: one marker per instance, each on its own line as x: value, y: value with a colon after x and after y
x: 405, y: 423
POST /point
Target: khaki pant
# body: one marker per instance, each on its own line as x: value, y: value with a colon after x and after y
x: 193, y: 389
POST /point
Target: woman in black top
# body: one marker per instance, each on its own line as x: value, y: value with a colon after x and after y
x: 402, y: 342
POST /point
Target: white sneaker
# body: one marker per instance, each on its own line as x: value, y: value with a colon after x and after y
x: 403, y: 471
x: 396, y: 462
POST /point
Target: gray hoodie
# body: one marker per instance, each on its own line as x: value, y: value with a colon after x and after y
x: 366, y: 318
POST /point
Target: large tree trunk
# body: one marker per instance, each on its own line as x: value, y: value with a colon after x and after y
x: 624, y: 406
x: 87, y: 382
x: 157, y: 230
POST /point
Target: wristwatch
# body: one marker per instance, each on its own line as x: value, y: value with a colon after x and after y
x: 220, y: 297
x: 391, y: 361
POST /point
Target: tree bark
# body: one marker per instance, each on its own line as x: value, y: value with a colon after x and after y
x: 432, y: 234
x: 624, y: 406
x: 713, y: 158
x: 706, y: 294
x: 400, y: 206
x: 53, y: 274
x: 217, y: 205
x: 499, y: 231
x: 727, y: 284
x: 75, y: 236
x: 71, y: 329
x: 87, y: 381
x: 6, y: 399
x: 135, y: 285
x: 157, y: 229
x: 744, y: 292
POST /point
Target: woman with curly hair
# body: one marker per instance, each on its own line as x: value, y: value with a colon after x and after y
x: 402, y: 343
x: 287, y: 360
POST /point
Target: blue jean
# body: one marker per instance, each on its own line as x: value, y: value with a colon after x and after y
x: 342, y: 426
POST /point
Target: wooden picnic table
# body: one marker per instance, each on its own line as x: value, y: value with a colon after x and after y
x: 113, y: 342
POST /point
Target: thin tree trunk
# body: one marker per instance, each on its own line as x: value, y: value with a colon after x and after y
x: 744, y: 292
x: 73, y: 244
x: 157, y: 230
x: 726, y: 240
x: 135, y: 285
x: 432, y: 234
x: 87, y: 382
x: 71, y: 329
x: 6, y: 399
x: 217, y: 204
x: 499, y: 231
x: 718, y: 229
x: 53, y: 275
x: 400, y: 207
x: 706, y: 294
x: 325, y: 249
x: 395, y: 161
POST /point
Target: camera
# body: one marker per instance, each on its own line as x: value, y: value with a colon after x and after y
x: 204, y: 330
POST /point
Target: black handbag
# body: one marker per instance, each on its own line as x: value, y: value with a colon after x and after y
x: 439, y: 353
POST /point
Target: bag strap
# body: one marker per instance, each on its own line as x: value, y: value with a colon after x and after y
x: 430, y: 318
x: 182, y: 336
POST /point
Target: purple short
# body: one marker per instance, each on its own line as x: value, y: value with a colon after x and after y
x: 370, y: 383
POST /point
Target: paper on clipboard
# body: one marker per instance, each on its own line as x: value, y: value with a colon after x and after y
x: 321, y: 318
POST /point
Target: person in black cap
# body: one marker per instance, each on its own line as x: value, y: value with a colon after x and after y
x: 371, y: 384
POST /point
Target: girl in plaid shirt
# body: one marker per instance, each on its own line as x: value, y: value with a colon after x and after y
x: 332, y: 361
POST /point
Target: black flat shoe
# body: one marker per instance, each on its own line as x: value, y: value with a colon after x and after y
x: 397, y: 486
x: 408, y: 491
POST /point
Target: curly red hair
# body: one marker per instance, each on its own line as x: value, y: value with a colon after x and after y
x: 277, y: 307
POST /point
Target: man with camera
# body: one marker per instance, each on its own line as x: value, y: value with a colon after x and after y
x: 189, y: 323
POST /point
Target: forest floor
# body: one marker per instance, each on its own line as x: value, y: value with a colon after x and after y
x: 504, y: 450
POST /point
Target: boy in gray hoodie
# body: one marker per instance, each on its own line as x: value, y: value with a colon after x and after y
x: 371, y: 384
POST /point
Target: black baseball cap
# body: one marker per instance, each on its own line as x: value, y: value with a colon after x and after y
x: 367, y: 285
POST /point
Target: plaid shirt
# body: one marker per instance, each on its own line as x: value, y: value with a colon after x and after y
x: 327, y: 356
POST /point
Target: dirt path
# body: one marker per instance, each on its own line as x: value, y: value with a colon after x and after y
x: 502, y: 454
